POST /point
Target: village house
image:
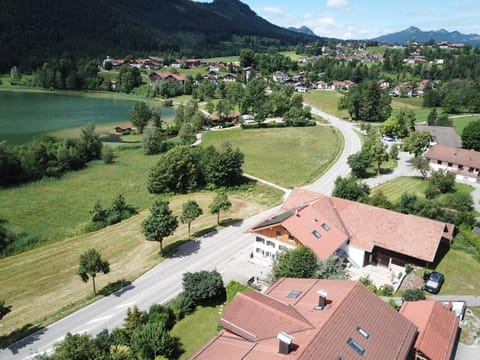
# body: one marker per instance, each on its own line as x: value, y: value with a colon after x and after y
x: 124, y: 129
x: 363, y: 234
x: 229, y: 78
x: 157, y: 76
x: 279, y: 77
x: 341, y: 85
x: 465, y: 164
x: 321, y: 85
x: 310, y: 319
x: 384, y: 84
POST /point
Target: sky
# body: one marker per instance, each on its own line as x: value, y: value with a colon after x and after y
x: 366, y: 19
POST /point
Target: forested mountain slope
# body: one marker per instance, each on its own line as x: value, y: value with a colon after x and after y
x: 33, y: 30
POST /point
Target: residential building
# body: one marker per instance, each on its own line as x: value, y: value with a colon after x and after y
x: 362, y: 233
x: 444, y: 135
x: 437, y: 329
x: 465, y: 164
x: 166, y: 76
x: 229, y: 78
x: 310, y: 319
x: 279, y: 77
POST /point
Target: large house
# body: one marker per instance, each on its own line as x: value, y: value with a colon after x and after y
x: 464, y: 163
x: 310, y: 319
x: 362, y: 233
x: 166, y: 76
x: 444, y: 135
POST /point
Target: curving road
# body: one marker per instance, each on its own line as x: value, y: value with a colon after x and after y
x: 163, y: 282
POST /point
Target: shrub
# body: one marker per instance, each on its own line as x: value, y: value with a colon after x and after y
x: 394, y: 304
x: 413, y: 295
x: 234, y: 287
x: 365, y: 281
x: 408, y: 269
x: 385, y: 290
x: 204, y: 286
x: 182, y: 306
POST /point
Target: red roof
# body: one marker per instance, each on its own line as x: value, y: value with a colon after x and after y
x: 124, y: 127
x: 167, y: 74
x: 317, y: 333
x: 450, y: 154
x: 437, y: 327
x: 364, y: 225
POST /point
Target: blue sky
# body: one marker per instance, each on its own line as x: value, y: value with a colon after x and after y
x: 361, y: 19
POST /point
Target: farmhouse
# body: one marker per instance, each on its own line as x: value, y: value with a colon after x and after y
x: 230, y: 78
x: 362, y: 233
x: 464, y: 163
x: 310, y: 319
x: 123, y: 129
x: 166, y: 76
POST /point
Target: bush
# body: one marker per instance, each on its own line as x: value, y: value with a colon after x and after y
x: 413, y: 295
x: 385, y: 290
x: 204, y: 286
x: 408, y: 269
x: 234, y: 287
x: 182, y: 306
x: 394, y: 304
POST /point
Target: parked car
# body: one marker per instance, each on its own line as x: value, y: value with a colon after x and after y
x: 433, y: 282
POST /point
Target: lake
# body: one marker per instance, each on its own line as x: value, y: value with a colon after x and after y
x: 24, y: 115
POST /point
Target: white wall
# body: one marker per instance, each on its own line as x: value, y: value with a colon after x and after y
x: 266, y: 254
x: 355, y: 255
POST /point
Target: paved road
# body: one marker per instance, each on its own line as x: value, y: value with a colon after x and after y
x: 163, y: 282
x: 353, y: 144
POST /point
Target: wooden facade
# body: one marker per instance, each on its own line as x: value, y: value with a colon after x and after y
x: 279, y: 233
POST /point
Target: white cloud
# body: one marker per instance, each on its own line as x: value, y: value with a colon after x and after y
x: 338, y: 4
x: 272, y: 10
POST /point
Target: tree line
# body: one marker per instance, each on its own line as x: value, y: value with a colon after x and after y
x: 47, y: 156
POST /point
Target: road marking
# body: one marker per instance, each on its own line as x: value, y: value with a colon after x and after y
x: 100, y: 319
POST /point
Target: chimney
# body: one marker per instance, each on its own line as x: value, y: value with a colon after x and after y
x: 322, y: 298
x: 285, y: 343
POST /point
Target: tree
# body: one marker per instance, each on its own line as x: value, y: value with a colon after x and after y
x: 129, y: 78
x: 379, y: 199
x: 134, y: 319
x: 349, y: 188
x: 432, y: 117
x: 107, y: 154
x: 332, y: 268
x: 160, y: 223
x: 90, y: 142
x: 471, y: 136
x: 413, y: 295
x: 421, y: 164
x: 443, y: 181
x: 91, y: 264
x: 151, y: 340
x: 76, y: 347
x: 394, y: 150
x: 203, y: 286
x: 190, y: 211
x: 379, y: 154
x: 359, y: 162
x: 220, y: 202
x: 4, y: 310
x: 14, y: 75
x: 247, y: 57
x: 140, y: 115
x: 417, y: 142
x: 177, y: 171
x: 151, y: 140
x: 300, y: 262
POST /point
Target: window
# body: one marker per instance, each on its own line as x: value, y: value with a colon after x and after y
x: 260, y: 240
x: 291, y: 238
x: 450, y: 164
x: 294, y: 294
x: 460, y: 167
x: 356, y: 346
x: 270, y: 243
x: 326, y: 227
x: 279, y: 233
x: 283, y: 248
x: 316, y: 234
x: 363, y: 332
x: 439, y: 162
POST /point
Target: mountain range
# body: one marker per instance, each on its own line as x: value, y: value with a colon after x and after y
x: 31, y: 31
x: 303, y: 30
x: 414, y: 33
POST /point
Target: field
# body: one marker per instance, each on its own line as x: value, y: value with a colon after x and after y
x: 291, y: 54
x: 461, y: 273
x: 52, y: 268
x: 394, y: 189
x: 288, y: 157
x: 227, y: 59
x: 412, y: 103
x: 459, y: 123
x: 326, y: 101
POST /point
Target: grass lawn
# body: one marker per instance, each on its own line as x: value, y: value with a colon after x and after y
x: 288, y: 157
x: 412, y: 103
x: 196, y: 329
x: 52, y: 268
x: 227, y: 59
x: 461, y: 273
x: 460, y: 123
x: 291, y: 54
x: 326, y: 101
x: 394, y: 189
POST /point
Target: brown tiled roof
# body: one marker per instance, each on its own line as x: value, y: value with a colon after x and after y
x: 437, y: 327
x: 350, y: 306
x: 454, y: 155
x: 366, y: 226
x: 269, y: 314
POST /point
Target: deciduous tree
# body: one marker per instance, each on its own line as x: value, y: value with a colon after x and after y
x: 203, y: 286
x: 190, y: 211
x: 220, y: 202
x: 160, y: 223
x: 349, y: 188
x: 471, y: 136
x: 421, y: 164
x: 417, y: 142
x: 300, y: 262
x: 90, y: 142
x: 91, y: 264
